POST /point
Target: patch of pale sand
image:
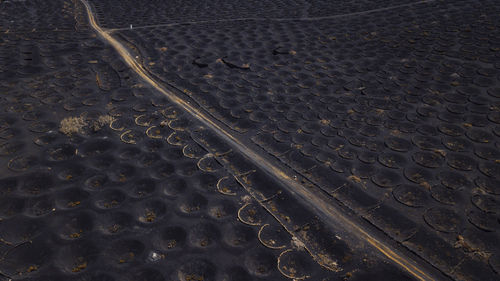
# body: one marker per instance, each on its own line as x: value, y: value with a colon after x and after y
x: 78, y: 125
x: 72, y: 125
x: 103, y: 120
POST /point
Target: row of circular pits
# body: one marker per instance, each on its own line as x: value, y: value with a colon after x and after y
x: 141, y: 188
x: 187, y: 202
x: 376, y: 104
x: 372, y: 120
x: 436, y: 154
x: 387, y: 175
x: 68, y: 151
x: 434, y: 158
x: 482, y: 209
x: 287, y: 71
x: 451, y: 192
x: 40, y: 15
x: 476, y: 118
x: 448, y: 221
x: 289, y: 26
x: 217, y: 83
x: 145, y: 157
x: 262, y: 113
x: 483, y: 214
x: 40, y: 182
x: 191, y: 11
x: 453, y: 143
x: 417, y: 196
x: 453, y: 187
x: 195, y: 268
x: 318, y: 123
x: 81, y: 224
x: 127, y: 250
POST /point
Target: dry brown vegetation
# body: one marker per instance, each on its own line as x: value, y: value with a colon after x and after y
x: 103, y: 120
x: 73, y: 125
x: 79, y: 125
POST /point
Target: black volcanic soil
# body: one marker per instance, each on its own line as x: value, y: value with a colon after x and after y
x: 102, y: 178
x: 393, y: 112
